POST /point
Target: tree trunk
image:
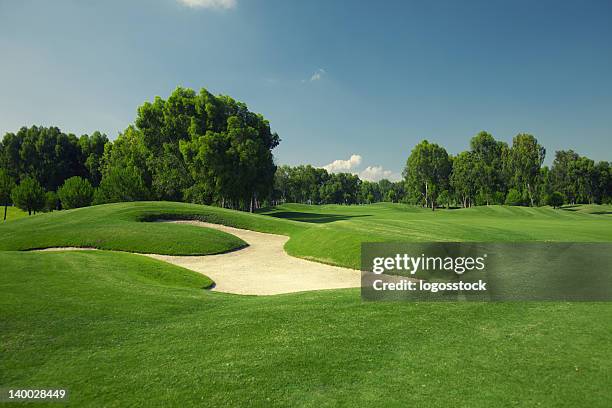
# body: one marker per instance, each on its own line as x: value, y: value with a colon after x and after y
x: 530, y: 195
x: 29, y: 212
x: 5, y: 209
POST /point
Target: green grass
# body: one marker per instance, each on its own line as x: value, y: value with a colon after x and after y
x: 123, y: 330
x: 12, y: 213
x: 330, y: 234
x: 120, y: 329
x: 116, y: 227
x: 337, y: 241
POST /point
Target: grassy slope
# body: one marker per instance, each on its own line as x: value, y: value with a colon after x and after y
x: 330, y: 234
x: 12, y: 213
x: 122, y: 330
x: 116, y: 227
x: 339, y: 230
x: 118, y: 329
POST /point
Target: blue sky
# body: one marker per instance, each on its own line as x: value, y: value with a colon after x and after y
x: 335, y: 78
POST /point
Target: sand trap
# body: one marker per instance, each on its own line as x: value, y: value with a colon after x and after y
x: 262, y: 268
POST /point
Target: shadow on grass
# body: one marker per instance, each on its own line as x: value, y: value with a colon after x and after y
x: 313, y: 217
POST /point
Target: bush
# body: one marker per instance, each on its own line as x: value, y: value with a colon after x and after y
x: 29, y: 195
x: 52, y: 201
x: 121, y: 184
x: 555, y: 200
x: 444, y: 199
x: 76, y: 192
x: 514, y: 197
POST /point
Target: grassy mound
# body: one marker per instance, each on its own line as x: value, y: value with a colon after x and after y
x: 330, y: 233
x: 124, y: 330
x: 120, y: 226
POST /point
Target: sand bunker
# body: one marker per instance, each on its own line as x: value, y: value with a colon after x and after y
x: 262, y: 268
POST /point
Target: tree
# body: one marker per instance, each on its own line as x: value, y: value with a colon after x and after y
x: 47, y: 154
x: 76, y: 192
x: 523, y: 161
x: 487, y: 161
x: 555, y: 199
x: 52, y: 201
x: 464, y: 178
x: 7, y: 184
x: 228, y: 150
x: 29, y: 195
x: 427, y: 171
x: 121, y: 184
x: 92, y: 151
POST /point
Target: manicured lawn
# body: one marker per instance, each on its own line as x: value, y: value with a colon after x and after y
x: 120, y: 330
x: 12, y: 213
x: 337, y: 239
x: 330, y: 234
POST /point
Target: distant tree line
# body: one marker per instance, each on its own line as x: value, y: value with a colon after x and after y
x: 491, y: 172
x: 201, y: 148
x: 312, y: 185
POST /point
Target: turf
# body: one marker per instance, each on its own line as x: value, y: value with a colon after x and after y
x: 123, y: 330
x: 119, y: 329
x: 337, y: 241
x: 330, y: 234
x: 115, y: 227
x: 12, y: 213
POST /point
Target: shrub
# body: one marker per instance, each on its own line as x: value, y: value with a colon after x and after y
x: 121, y: 184
x: 76, y: 192
x: 52, y: 201
x: 29, y: 195
x: 514, y: 197
x: 556, y: 199
x: 444, y: 199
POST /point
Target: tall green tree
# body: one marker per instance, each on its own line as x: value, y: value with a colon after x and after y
x: 92, y: 151
x: 427, y: 171
x: 487, y: 160
x: 523, y: 162
x: 464, y: 178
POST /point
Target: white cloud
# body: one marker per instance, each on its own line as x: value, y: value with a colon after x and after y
x: 377, y: 173
x: 318, y: 74
x: 370, y: 173
x: 209, y: 4
x: 339, y: 166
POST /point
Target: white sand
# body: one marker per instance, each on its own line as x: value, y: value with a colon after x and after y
x: 262, y: 268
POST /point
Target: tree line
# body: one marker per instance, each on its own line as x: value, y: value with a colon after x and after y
x: 207, y: 149
x: 194, y: 147
x: 491, y: 172
x: 311, y: 185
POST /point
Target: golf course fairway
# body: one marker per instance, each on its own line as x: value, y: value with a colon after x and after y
x: 120, y: 329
